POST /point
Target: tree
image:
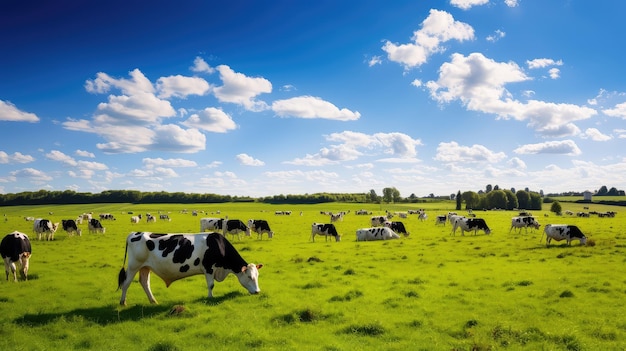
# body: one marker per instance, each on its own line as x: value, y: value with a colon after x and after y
x: 603, y: 191
x: 488, y: 188
x: 613, y: 192
x: 523, y: 199
x: 391, y: 195
x: 373, y: 197
x: 556, y: 207
x: 511, y: 200
x: 472, y: 200
x: 535, y: 201
x: 458, y: 200
x: 496, y: 199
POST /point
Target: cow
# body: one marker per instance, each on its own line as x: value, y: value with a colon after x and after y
x: 104, y: 216
x: 165, y: 217
x: 235, y: 227
x: 211, y: 224
x: 336, y: 217
x: 175, y: 256
x: 559, y: 232
x: 135, y: 219
x: 442, y: 219
x: 422, y: 216
x: 524, y: 222
x: 470, y: 224
x: 15, y: 248
x: 69, y: 225
x: 324, y: 229
x: 260, y: 226
x: 150, y: 218
x: 95, y: 226
x: 376, y: 233
x: 377, y: 221
x: 44, y: 227
x: 397, y: 227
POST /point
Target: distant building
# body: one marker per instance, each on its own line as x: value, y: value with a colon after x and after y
x: 587, y: 195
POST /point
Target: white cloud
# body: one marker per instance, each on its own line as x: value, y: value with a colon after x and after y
x: 439, y: 27
x: 497, y: 35
x: 200, y: 66
x: 173, y: 138
x: 542, y: 63
x: 374, y: 60
x: 83, y: 153
x: 154, y: 173
x: 240, y: 89
x: 452, y: 152
x: 566, y: 147
x: 479, y: 83
x: 56, y: 155
x: 181, y: 86
x: 31, y: 174
x: 554, y: 73
x: 511, y: 3
x: 595, y: 135
x: 171, y: 162
x: 16, y: 157
x: 8, y: 112
x: 618, y: 111
x: 211, y: 119
x: 467, y: 4
x: 247, y: 160
x: 516, y: 163
x: 312, y: 107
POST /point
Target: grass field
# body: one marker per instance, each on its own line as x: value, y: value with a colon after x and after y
x: 428, y: 291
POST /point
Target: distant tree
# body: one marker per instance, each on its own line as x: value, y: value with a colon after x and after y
x: 523, y: 199
x: 373, y: 197
x: 488, y: 188
x: 556, y: 207
x: 541, y: 192
x: 513, y: 190
x: 452, y: 196
x: 496, y: 199
x: 535, y: 201
x: 458, y: 200
x: 496, y: 187
x: 603, y: 191
x: 391, y: 195
x: 511, y: 200
x: 472, y: 200
x: 613, y: 192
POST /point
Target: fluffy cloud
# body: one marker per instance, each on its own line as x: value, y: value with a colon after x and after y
x: 200, y: 66
x: 452, y: 152
x: 312, y: 107
x: 247, y: 160
x: 181, y: 86
x: 595, y: 135
x: 211, y: 119
x: 16, y: 157
x: 618, y: 111
x: 438, y: 28
x: 239, y: 89
x: 8, y: 112
x: 171, y: 162
x: 467, y: 4
x: 565, y: 147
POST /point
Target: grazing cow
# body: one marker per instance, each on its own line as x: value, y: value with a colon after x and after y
x: 150, y: 218
x: 422, y: 216
x: 336, y: 217
x: 69, y: 225
x: 165, y: 217
x: 397, y: 227
x: 15, y: 248
x: 469, y: 224
x: 559, y: 232
x: 524, y: 222
x: 44, y: 227
x: 441, y: 220
x: 211, y: 224
x: 324, y: 229
x: 104, y: 216
x: 176, y: 256
x: 135, y: 219
x: 235, y: 227
x: 95, y: 226
x: 260, y: 226
x: 377, y: 233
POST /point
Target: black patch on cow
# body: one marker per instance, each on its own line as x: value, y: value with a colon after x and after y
x: 136, y: 237
x: 184, y: 268
x: 398, y: 227
x: 234, y: 224
x: 574, y: 232
x: 156, y: 235
x: 196, y: 261
x: 150, y: 245
x: 13, y: 245
x: 184, y: 251
x: 221, y: 253
x: 479, y: 223
x: 328, y: 228
x: 69, y: 224
x: 95, y: 223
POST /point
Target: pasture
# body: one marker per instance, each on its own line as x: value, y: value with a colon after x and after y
x: 428, y: 291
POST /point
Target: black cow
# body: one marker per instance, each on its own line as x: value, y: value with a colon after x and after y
x: 176, y: 256
x: 260, y: 226
x: 15, y: 248
x: 397, y: 227
x: 470, y: 224
x: 69, y: 225
x: 95, y: 226
x: 235, y: 227
x: 324, y: 229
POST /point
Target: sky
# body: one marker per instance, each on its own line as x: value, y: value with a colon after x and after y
x: 262, y: 98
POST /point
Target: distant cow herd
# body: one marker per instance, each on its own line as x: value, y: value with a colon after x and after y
x: 176, y: 256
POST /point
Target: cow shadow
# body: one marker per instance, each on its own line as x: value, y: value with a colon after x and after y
x: 218, y: 300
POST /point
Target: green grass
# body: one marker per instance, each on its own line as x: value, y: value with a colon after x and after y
x: 430, y: 291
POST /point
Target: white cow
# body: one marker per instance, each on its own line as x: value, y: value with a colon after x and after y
x: 325, y: 229
x: 44, y: 228
x: 211, y: 224
x: 470, y: 224
x: 376, y: 233
x: 565, y: 232
x: 524, y: 222
x: 15, y: 248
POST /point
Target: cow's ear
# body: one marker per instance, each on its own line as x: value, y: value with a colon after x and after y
x: 243, y: 269
x: 259, y: 266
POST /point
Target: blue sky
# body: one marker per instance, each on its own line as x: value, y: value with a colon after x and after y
x: 258, y: 98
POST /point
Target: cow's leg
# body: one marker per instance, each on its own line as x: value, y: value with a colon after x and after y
x: 144, y: 279
x: 210, y: 283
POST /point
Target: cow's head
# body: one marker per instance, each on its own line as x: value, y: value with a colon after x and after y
x: 337, y: 237
x: 583, y: 240
x: 249, y: 277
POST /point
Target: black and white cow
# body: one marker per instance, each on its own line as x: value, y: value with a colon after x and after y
x: 105, y: 216
x: 397, y: 227
x: 235, y: 227
x: 377, y: 221
x: 70, y: 227
x: 44, y: 228
x: 441, y: 219
x: 524, y: 222
x: 95, y: 226
x: 565, y: 232
x: 15, y: 248
x: 470, y: 224
x: 260, y: 226
x: 176, y: 256
x: 324, y: 229
x: 376, y: 233
x: 211, y: 224
x: 165, y: 217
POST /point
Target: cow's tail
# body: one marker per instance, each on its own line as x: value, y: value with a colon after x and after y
x: 121, y: 278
